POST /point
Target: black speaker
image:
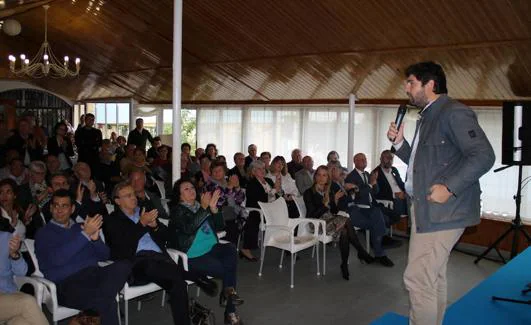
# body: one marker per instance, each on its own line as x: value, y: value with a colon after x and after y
x: 516, y: 133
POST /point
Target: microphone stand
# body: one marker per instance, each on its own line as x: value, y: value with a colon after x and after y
x: 516, y: 225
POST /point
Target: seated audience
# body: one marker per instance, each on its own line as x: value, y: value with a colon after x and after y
x: 322, y: 204
x: 202, y: 176
x: 28, y: 146
x: 60, y: 146
x: 152, y: 152
x: 17, y: 171
x: 36, y: 190
x: 370, y: 218
x: 260, y: 189
x: 192, y: 228
x: 6, y: 158
x: 211, y: 151
x: 137, y: 235
x: 127, y: 159
x: 92, y: 190
x: 146, y: 200
x: 265, y: 157
x: 252, y: 150
x: 60, y: 181
x: 365, y: 183
x: 15, y: 307
x: 288, y: 189
x: 296, y: 162
x: 391, y: 187
x: 195, y: 166
x: 138, y: 163
x: 119, y: 148
x: 68, y: 254
x: 53, y: 166
x: 332, y: 156
x: 304, y: 177
x: 231, y: 198
x: 239, y: 169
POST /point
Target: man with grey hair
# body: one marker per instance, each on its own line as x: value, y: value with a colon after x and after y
x: 252, y: 150
x: 304, y: 177
x: 296, y: 162
x: 36, y: 190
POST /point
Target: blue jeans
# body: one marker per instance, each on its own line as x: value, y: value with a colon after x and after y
x: 221, y: 263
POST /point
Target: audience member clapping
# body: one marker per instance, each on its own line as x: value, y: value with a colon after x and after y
x: 278, y: 173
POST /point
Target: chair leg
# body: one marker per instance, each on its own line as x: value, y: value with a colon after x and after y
x: 198, y: 292
x: 118, y: 312
x: 391, y: 231
x: 368, y: 240
x: 126, y: 309
x: 139, y: 305
x: 324, y: 259
x: 292, y: 271
x: 163, y: 298
x: 318, y: 270
x: 262, y: 257
x: 313, y: 250
x: 281, y: 259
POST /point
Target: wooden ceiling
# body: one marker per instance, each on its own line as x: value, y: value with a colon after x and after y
x: 244, y: 50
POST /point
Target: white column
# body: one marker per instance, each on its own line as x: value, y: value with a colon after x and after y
x: 132, y: 109
x: 177, y: 66
x: 351, y: 110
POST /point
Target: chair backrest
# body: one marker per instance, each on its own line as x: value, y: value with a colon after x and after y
x: 160, y: 186
x: 276, y: 212
x: 109, y: 207
x: 30, y: 246
x: 301, y: 206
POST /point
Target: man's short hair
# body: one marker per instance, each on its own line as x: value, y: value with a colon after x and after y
x: 157, y: 138
x: 120, y: 186
x: 37, y: 166
x: 139, y: 120
x: 63, y: 193
x: 89, y: 115
x: 266, y: 153
x: 426, y: 71
x: 186, y: 144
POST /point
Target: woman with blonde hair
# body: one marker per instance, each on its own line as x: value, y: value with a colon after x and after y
x: 321, y: 203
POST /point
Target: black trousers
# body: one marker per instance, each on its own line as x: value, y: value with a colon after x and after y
x: 95, y: 288
x: 149, y: 266
x: 250, y: 231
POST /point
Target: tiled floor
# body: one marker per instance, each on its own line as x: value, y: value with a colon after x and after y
x: 371, y: 291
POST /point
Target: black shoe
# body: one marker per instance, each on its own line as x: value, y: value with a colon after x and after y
x: 250, y: 259
x: 365, y: 257
x: 388, y: 242
x: 344, y: 271
x: 208, y: 286
x: 231, y: 294
x: 385, y: 261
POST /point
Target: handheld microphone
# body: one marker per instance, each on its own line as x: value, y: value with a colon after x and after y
x: 402, y: 110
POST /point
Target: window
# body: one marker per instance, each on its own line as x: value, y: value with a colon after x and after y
x: 110, y: 117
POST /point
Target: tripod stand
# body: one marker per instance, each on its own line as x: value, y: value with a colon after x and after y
x: 516, y: 225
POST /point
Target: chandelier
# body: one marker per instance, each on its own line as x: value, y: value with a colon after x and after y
x: 44, y: 63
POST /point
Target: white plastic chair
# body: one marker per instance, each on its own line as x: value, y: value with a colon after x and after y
x: 280, y: 233
x: 49, y: 291
x: 323, y: 238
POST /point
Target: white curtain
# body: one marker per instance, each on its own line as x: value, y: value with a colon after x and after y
x: 319, y: 129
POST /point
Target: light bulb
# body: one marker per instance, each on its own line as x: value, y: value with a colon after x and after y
x: 22, y: 57
x: 45, y: 57
x: 12, y: 58
x: 78, y: 60
x: 66, y: 58
x: 26, y: 61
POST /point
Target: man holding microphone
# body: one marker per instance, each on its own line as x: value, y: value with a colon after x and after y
x: 447, y: 156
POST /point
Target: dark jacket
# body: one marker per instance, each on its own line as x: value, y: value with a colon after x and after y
x: 56, y: 150
x: 365, y: 190
x: 139, y: 139
x: 242, y: 178
x: 315, y: 207
x: 454, y: 151
x: 20, y: 145
x: 255, y: 192
x: 184, y: 224
x: 154, y: 202
x: 88, y: 142
x: 122, y: 235
x: 384, y: 188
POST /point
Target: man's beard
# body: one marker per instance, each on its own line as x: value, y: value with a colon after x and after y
x: 420, y: 101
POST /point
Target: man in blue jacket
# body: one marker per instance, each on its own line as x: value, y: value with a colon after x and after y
x: 68, y: 254
x: 446, y: 158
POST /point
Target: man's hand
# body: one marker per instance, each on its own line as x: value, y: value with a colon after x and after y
x: 348, y: 186
x: 79, y: 192
x: 338, y: 195
x: 149, y: 218
x: 103, y: 197
x: 42, y: 196
x: 439, y: 194
x: 92, y: 226
x: 214, y: 201
x: 14, y: 246
x: 30, y: 211
x: 400, y: 195
x: 396, y: 134
x: 373, y: 177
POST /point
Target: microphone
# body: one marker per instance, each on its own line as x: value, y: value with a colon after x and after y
x: 402, y: 110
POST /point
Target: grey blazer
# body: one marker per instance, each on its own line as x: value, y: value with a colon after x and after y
x: 453, y: 150
x: 303, y: 180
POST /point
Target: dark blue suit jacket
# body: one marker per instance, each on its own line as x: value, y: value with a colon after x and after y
x: 384, y: 188
x: 363, y: 197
